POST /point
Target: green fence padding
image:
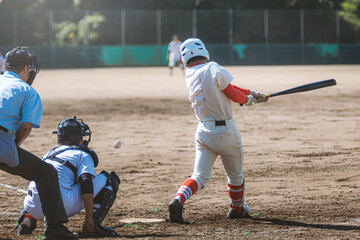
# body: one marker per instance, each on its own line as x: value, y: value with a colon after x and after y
x: 225, y: 54
x: 131, y: 55
x: 240, y: 48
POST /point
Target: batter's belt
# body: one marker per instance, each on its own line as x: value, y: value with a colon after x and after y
x: 220, y: 123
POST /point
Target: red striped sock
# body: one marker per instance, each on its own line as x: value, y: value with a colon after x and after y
x: 187, y: 189
x: 236, y: 196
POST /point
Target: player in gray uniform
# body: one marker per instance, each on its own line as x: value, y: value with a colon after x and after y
x: 79, y: 185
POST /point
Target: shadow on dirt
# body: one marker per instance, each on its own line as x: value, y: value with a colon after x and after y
x: 151, y: 235
x: 307, y: 225
x: 141, y: 236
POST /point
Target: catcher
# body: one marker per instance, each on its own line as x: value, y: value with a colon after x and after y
x: 80, y: 186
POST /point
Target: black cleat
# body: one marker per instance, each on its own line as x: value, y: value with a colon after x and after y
x: 58, y: 232
x: 23, y: 229
x: 233, y: 214
x: 175, y: 210
x: 104, y: 231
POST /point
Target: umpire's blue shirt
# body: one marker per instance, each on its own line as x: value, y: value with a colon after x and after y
x: 19, y: 102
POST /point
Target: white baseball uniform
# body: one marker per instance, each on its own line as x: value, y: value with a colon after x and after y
x: 69, y: 187
x: 174, y: 53
x: 205, y: 83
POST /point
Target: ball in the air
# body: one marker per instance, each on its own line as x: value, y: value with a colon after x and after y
x: 117, y: 144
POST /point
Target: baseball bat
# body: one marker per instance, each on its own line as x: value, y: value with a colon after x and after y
x: 305, y: 88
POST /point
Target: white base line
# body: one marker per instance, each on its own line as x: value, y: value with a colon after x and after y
x: 354, y: 221
x: 15, y: 188
x: 141, y: 220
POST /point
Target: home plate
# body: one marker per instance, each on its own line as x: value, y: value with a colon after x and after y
x: 142, y: 220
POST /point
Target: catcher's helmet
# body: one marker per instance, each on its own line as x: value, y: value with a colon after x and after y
x: 19, y: 57
x: 71, y: 130
x: 193, y: 47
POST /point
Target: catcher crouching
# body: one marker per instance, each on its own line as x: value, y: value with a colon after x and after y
x: 80, y: 186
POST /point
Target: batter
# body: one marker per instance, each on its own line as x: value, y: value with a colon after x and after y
x: 210, y: 93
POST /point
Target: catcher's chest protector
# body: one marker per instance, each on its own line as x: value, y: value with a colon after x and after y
x: 54, y: 152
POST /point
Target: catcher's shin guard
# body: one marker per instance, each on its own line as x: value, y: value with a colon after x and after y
x: 25, y: 223
x: 102, y: 204
x: 113, y: 180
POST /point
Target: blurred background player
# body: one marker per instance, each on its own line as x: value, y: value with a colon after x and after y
x: 173, y: 54
x: 2, y: 63
x: 20, y: 111
x: 210, y: 91
x: 80, y: 186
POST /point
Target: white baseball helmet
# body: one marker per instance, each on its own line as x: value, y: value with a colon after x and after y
x: 193, y: 47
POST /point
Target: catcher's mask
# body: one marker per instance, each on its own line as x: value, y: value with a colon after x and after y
x: 34, y: 67
x: 19, y: 57
x: 71, y: 130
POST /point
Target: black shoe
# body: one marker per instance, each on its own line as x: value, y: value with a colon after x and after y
x: 104, y: 231
x: 58, y: 232
x: 175, y: 210
x: 233, y: 214
x: 23, y: 229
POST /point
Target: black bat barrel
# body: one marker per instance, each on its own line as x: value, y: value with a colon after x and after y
x: 306, y: 87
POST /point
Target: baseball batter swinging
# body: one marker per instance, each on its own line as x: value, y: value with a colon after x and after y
x: 210, y: 93
x: 80, y: 186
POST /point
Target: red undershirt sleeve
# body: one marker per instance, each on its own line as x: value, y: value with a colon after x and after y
x: 243, y: 90
x: 236, y: 94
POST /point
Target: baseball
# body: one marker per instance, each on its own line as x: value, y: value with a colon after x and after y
x: 117, y: 144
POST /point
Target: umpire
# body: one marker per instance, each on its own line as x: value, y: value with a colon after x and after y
x: 20, y: 111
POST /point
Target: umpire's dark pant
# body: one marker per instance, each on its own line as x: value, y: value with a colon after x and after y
x: 45, y: 176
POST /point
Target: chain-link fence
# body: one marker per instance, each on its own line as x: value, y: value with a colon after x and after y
x: 233, y: 36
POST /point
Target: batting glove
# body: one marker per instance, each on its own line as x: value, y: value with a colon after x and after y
x: 250, y: 100
x: 260, y: 97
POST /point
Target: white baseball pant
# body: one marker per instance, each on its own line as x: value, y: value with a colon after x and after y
x: 212, y: 141
x: 72, y: 200
x: 174, y: 59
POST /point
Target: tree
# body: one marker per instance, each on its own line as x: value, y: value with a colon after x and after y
x: 80, y: 33
x: 351, y: 12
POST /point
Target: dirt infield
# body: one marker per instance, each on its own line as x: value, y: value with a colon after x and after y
x: 301, y: 152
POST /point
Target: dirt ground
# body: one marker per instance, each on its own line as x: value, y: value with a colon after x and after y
x: 301, y: 152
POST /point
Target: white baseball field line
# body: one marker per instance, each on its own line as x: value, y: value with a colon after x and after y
x: 12, y: 187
